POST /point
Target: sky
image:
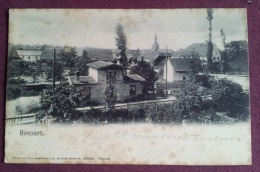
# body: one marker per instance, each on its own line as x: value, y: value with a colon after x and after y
x: 175, y: 28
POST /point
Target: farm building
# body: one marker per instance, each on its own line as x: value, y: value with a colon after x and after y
x: 100, y: 72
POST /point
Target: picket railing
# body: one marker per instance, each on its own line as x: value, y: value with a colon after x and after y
x: 127, y: 105
x: 21, y: 119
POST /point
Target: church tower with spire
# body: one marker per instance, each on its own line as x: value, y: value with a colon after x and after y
x: 155, y: 46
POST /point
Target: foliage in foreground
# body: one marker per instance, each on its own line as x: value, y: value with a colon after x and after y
x: 61, y: 104
x: 223, y: 103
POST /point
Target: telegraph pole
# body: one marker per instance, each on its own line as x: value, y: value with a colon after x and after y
x: 166, y: 71
x: 53, y: 70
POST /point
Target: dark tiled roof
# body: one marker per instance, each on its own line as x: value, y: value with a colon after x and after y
x: 96, y: 53
x: 153, y: 55
x: 82, y: 80
x: 180, y: 64
x: 48, y: 54
x: 127, y: 51
x: 134, y: 77
x: 135, y: 55
x: 104, y: 65
x: 200, y: 48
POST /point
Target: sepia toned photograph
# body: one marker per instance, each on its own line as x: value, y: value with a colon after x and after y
x: 146, y: 86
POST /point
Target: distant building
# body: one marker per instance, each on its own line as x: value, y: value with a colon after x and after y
x: 201, y: 49
x: 96, y: 53
x: 127, y: 86
x: 177, y: 69
x: 177, y: 72
x: 130, y: 54
x: 37, y: 55
x: 29, y: 55
x: 155, y: 55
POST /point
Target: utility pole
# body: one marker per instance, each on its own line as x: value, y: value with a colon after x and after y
x: 166, y: 71
x: 53, y: 70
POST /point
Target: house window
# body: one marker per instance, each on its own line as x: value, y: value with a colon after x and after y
x: 36, y: 57
x: 184, y: 78
x: 217, y: 58
x: 111, y: 75
x: 132, y: 90
x: 214, y: 58
x: 29, y: 57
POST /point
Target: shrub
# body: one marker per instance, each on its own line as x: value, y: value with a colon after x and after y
x: 191, y: 99
x: 228, y: 96
x: 13, y: 92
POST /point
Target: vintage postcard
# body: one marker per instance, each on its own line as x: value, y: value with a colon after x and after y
x: 117, y: 86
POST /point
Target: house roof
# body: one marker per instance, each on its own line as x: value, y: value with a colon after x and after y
x: 200, y: 48
x: 96, y: 53
x: 180, y: 64
x: 29, y: 52
x: 127, y: 51
x: 104, y: 65
x: 134, y: 77
x: 48, y: 53
x: 153, y: 55
x: 83, y: 80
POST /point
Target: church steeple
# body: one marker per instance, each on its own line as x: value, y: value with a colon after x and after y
x: 155, y: 46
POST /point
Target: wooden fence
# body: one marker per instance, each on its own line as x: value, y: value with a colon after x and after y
x: 21, y: 119
x: 31, y: 118
x: 140, y: 104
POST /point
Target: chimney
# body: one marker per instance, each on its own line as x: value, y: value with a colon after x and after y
x: 77, y: 77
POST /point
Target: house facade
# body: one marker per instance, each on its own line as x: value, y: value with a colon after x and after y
x: 29, y: 55
x: 177, y: 69
x: 100, y: 72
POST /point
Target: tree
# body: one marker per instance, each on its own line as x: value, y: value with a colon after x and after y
x: 195, y: 65
x: 35, y: 70
x: 12, y: 54
x: 110, y: 94
x: 61, y: 104
x: 237, y: 57
x: 81, y: 63
x: 17, y: 69
x: 13, y: 92
x: 81, y: 95
x: 121, y: 43
x: 209, y: 42
x: 192, y: 102
x: 68, y: 57
x: 228, y: 96
x: 145, y: 70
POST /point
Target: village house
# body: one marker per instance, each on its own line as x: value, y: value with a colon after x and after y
x: 29, y: 55
x: 126, y: 85
x: 37, y: 55
x: 201, y: 50
x: 177, y: 72
x: 155, y: 54
x: 130, y: 54
x: 177, y: 69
